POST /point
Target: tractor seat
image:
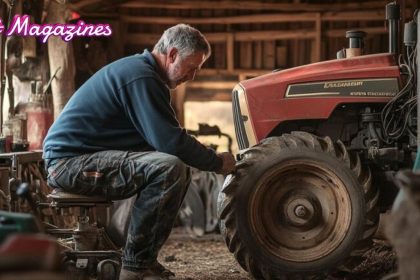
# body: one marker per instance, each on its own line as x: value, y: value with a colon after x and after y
x: 62, y: 198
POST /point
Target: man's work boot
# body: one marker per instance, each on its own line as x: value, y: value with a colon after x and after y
x: 163, y: 271
x: 154, y: 272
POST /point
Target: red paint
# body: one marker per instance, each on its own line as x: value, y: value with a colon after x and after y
x: 265, y: 94
x: 39, y: 121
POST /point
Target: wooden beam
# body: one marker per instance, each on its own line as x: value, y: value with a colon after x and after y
x: 93, y: 6
x: 262, y: 18
x: 318, y: 37
x: 245, y: 72
x: 342, y: 32
x: 258, y: 54
x: 242, y: 77
x: 266, y: 18
x: 274, y: 35
x: 219, y: 54
x: 211, y: 85
x: 230, y: 45
x: 281, y: 56
x: 208, y: 96
x: 150, y: 38
x: 269, y: 58
x: 61, y: 60
x: 245, y: 55
x: 223, y: 37
x: 220, y: 37
x: 248, y: 5
x: 354, y: 16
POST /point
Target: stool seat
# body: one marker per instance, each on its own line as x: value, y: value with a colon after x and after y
x: 61, y: 196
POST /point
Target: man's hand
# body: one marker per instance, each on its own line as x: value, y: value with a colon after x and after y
x: 228, y: 163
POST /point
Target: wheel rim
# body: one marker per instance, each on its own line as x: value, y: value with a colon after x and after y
x: 300, y: 211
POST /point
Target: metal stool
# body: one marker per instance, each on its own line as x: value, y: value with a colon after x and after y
x: 92, y: 251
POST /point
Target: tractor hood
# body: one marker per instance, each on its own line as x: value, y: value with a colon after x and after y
x: 357, y: 67
x: 313, y: 91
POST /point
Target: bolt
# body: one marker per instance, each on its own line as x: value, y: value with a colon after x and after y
x: 300, y: 211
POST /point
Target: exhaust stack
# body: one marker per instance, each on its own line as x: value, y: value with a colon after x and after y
x: 393, y: 18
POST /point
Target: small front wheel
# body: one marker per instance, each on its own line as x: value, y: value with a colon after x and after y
x: 108, y: 270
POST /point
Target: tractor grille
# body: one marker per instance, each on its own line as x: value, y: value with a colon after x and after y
x: 239, y: 124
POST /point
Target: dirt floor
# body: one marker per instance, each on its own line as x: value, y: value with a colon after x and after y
x: 204, y: 257
x: 207, y: 257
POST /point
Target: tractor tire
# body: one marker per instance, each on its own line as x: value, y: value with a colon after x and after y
x: 298, y: 207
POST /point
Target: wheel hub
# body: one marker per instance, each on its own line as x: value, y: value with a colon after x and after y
x: 301, y: 211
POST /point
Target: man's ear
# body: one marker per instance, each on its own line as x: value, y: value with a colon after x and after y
x: 172, y: 54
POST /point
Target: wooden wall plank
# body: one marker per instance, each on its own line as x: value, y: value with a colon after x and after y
x: 219, y: 49
x: 219, y: 54
x: 269, y: 55
x: 281, y: 57
x: 318, y: 37
x: 230, y: 44
x: 258, y: 54
x: 245, y: 54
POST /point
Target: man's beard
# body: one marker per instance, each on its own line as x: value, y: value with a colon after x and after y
x: 174, y: 80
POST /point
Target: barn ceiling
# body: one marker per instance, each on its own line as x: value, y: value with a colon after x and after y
x: 110, y: 7
x: 286, y: 33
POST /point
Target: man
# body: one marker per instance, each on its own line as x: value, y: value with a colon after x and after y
x: 118, y: 136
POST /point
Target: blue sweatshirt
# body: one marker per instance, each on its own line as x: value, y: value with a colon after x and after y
x: 125, y: 106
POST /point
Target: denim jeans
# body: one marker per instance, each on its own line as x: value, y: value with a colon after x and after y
x: 159, y: 181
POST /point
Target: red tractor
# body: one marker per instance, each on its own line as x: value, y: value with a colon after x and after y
x: 319, y: 146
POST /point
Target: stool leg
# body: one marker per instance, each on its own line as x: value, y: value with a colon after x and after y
x: 85, y: 235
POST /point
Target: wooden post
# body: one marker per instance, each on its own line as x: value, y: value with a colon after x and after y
x: 245, y: 54
x: 230, y: 52
x: 317, y: 48
x: 281, y: 57
x: 61, y: 57
x: 269, y: 55
x: 178, y: 100
x: 219, y: 48
x: 258, y: 55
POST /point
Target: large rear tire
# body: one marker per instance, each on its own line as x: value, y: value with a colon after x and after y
x: 298, y: 206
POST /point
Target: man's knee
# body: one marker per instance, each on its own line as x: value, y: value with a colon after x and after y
x: 176, y: 168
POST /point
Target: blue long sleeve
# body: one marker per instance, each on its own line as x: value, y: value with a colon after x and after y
x: 125, y: 106
x: 154, y: 118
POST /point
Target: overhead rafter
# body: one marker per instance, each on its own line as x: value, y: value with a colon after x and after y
x: 265, y: 18
x: 261, y: 18
x: 251, y: 5
x: 89, y: 6
x: 369, y: 30
x: 222, y: 37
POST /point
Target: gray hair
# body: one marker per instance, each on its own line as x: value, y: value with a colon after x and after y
x: 186, y: 39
